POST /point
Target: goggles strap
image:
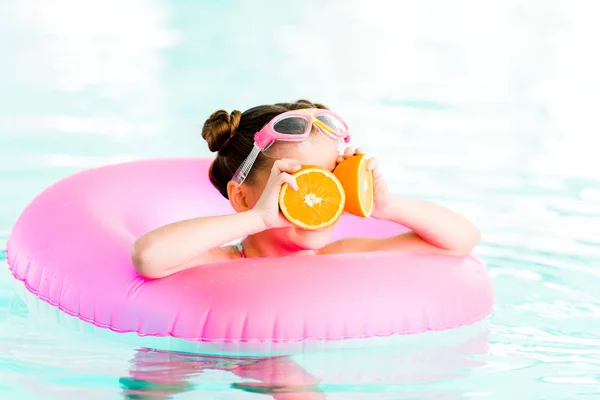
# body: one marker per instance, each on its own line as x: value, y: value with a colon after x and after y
x: 244, y: 169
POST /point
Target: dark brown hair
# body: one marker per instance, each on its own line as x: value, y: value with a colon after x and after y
x: 231, y: 135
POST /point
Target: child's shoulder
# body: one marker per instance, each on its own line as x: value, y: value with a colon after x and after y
x: 350, y: 245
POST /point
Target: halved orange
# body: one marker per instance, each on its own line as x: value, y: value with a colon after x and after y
x: 319, y: 201
x: 357, y: 181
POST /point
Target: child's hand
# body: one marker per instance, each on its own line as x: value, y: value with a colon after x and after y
x: 268, y: 203
x: 381, y: 194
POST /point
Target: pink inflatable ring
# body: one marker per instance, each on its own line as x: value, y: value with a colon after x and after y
x: 70, y: 248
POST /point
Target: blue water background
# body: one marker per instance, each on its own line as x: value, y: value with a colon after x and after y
x: 489, y: 107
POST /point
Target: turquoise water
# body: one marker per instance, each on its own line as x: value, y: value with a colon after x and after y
x: 487, y: 108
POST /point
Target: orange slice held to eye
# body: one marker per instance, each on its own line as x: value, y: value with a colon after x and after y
x: 357, y: 181
x: 319, y: 201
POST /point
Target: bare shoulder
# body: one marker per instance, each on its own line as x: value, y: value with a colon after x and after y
x: 409, y: 241
x: 350, y: 245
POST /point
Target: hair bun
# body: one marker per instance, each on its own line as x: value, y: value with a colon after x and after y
x: 219, y: 128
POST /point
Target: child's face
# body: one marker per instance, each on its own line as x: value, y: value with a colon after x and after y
x: 320, y: 150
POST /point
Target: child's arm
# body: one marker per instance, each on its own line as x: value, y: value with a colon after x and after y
x: 433, y: 227
x: 181, y: 245
x: 184, y: 244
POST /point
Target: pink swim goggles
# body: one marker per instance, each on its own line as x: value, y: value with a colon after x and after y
x: 292, y: 126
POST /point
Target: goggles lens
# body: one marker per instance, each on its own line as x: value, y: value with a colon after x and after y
x: 291, y: 126
x: 332, y: 122
x: 293, y: 149
x: 294, y: 125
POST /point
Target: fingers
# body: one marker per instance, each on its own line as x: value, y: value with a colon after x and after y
x: 282, y: 170
x: 372, y: 164
x: 284, y: 177
x: 286, y: 165
x: 349, y: 152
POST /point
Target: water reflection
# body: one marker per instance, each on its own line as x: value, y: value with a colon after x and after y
x: 385, y: 371
x: 162, y: 375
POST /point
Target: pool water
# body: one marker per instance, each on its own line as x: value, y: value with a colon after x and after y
x: 486, y: 107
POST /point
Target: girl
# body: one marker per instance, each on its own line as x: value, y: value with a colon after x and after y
x: 257, y: 151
